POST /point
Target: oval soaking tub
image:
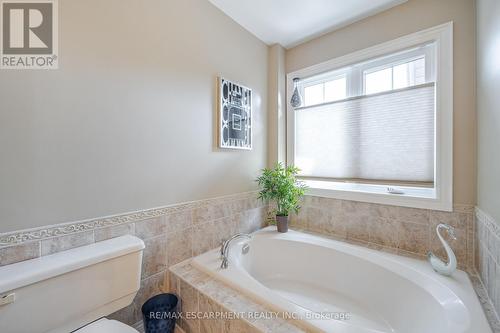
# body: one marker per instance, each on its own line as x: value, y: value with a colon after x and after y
x: 320, y: 281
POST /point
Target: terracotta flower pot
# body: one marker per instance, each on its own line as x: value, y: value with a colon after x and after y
x: 282, y: 223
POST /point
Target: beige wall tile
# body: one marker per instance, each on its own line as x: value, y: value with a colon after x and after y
x: 494, y: 247
x: 299, y: 220
x: 12, y: 254
x: 57, y: 244
x: 226, y: 296
x: 225, y: 228
x: 406, y: 230
x: 276, y: 326
x: 203, y: 238
x: 173, y: 283
x: 337, y: 227
x: 208, y: 213
x: 236, y: 206
x: 385, y: 232
x: 319, y: 219
x: 357, y: 227
x: 154, y: 258
x: 494, y: 283
x: 404, y: 214
x: 457, y: 220
x: 189, y: 303
x: 483, y: 264
x: 207, y: 306
x: 491, y: 271
x: 358, y: 217
x: 114, y: 231
x: 414, y: 238
x: 356, y: 208
x: 252, y: 202
x: 492, y: 244
x: 238, y: 326
x: 178, y: 221
x: 471, y: 248
x: 179, y: 246
x: 332, y: 223
x: 151, y: 227
x: 252, y: 220
x: 333, y: 205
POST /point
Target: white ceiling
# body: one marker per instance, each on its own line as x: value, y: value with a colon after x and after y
x: 291, y: 22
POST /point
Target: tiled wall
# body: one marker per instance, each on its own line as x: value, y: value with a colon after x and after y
x: 402, y: 230
x: 174, y: 234
x: 488, y: 256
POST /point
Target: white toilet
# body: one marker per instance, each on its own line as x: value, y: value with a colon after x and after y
x: 73, y: 290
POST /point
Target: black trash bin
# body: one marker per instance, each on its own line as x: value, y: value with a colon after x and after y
x: 159, y: 313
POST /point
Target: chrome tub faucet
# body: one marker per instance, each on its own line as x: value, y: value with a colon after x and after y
x: 224, y: 249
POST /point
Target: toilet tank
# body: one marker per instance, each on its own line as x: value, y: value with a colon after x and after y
x: 64, y: 291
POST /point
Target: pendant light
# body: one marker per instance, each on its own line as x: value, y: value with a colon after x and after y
x: 296, y: 100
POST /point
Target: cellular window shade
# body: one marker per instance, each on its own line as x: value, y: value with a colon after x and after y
x: 388, y: 136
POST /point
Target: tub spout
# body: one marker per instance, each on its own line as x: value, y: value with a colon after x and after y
x: 437, y: 264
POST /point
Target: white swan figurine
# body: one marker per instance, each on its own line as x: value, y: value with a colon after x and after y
x: 439, y: 266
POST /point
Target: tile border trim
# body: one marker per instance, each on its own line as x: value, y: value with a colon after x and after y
x: 485, y: 300
x: 62, y: 229
x: 488, y: 221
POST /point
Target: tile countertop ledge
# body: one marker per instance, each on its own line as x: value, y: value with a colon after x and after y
x: 228, y: 300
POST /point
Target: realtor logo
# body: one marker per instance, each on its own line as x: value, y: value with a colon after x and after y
x: 29, y: 34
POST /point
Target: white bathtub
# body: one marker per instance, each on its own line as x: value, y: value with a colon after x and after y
x: 302, y: 274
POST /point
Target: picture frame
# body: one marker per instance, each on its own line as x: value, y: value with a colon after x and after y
x: 234, y: 124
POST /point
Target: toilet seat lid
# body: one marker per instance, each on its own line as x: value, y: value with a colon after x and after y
x: 106, y: 326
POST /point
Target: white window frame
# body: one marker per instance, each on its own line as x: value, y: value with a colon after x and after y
x: 441, y: 196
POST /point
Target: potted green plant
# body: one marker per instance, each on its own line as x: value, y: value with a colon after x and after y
x: 280, y: 185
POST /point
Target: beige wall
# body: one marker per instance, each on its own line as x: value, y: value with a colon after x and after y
x: 488, y: 106
x: 407, y: 18
x: 126, y: 123
x: 276, y: 91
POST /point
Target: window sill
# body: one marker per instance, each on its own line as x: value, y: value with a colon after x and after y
x: 415, y: 197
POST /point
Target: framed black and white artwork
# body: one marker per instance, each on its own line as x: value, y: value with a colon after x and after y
x: 234, y: 115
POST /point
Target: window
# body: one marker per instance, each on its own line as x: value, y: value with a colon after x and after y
x: 396, y: 76
x: 324, y: 92
x: 391, y: 72
x: 345, y: 140
x: 378, y: 119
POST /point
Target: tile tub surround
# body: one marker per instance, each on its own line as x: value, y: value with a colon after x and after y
x: 406, y: 231
x: 171, y: 234
x: 194, y: 287
x: 200, y: 292
x: 488, y: 260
